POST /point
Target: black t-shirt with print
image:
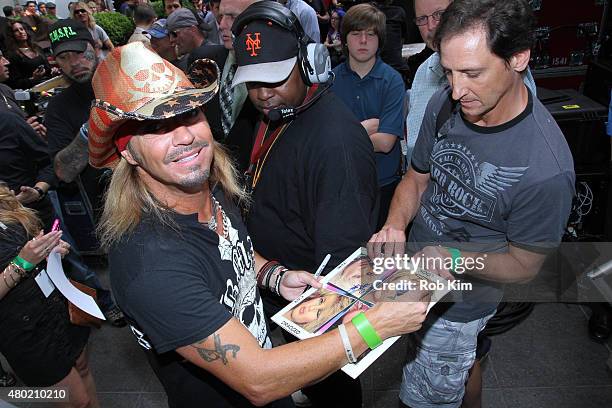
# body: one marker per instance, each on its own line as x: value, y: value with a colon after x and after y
x: 179, y: 286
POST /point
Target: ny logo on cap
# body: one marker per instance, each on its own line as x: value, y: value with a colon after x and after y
x: 253, y: 44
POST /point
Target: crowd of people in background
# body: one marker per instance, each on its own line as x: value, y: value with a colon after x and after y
x: 343, y: 167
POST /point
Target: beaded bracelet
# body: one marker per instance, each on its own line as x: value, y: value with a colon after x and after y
x: 20, y: 271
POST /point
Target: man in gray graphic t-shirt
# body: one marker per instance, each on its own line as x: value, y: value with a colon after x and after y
x: 491, y: 180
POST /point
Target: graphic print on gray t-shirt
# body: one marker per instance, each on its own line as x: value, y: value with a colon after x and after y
x: 464, y: 187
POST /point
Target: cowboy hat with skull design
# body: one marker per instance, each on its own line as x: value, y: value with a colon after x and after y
x: 134, y: 83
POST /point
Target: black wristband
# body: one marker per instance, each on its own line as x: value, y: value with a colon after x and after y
x: 40, y: 192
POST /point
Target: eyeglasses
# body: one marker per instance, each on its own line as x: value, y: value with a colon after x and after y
x: 80, y: 11
x: 422, y: 20
x: 173, y: 6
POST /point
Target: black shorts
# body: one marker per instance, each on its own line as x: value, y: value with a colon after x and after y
x: 37, y: 338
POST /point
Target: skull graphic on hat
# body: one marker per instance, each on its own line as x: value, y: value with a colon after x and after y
x: 150, y: 77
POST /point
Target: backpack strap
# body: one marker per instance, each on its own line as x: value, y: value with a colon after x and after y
x: 445, y: 113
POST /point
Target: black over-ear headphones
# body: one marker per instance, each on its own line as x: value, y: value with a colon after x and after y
x: 313, y: 59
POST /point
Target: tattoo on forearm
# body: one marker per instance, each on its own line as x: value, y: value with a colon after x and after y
x: 72, y: 160
x: 220, y: 351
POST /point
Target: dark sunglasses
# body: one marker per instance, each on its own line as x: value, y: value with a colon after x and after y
x: 80, y: 11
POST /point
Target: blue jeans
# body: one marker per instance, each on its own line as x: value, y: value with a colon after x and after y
x: 78, y: 270
x: 441, y: 355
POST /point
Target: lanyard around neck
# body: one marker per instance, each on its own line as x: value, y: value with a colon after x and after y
x: 263, y: 144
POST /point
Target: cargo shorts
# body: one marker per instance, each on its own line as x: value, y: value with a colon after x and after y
x: 439, y: 358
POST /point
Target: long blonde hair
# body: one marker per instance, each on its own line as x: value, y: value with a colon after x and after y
x: 91, y: 24
x: 12, y: 212
x: 339, y: 304
x: 127, y: 197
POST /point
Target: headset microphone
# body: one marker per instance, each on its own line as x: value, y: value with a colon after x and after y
x: 283, y: 114
x: 289, y: 113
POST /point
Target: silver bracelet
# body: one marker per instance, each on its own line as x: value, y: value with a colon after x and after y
x: 348, y: 349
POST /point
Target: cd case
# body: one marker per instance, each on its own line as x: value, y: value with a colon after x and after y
x: 353, y: 286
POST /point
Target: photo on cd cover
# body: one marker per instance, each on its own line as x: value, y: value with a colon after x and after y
x: 347, y: 290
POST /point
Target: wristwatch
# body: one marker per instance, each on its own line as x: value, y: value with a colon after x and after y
x: 41, y: 193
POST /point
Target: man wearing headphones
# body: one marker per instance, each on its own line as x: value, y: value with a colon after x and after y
x: 312, y: 167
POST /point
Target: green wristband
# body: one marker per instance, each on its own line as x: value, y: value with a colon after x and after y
x: 366, y: 330
x: 455, y: 254
x: 22, y: 263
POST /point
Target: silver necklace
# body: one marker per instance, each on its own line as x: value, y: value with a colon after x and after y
x: 212, y: 224
x: 6, y: 102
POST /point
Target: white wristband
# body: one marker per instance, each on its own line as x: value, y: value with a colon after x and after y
x: 348, y: 349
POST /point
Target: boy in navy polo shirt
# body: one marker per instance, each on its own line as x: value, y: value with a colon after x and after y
x: 374, y: 92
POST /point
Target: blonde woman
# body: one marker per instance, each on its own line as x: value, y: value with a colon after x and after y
x: 93, y: 6
x: 313, y: 313
x: 81, y: 12
x: 38, y: 340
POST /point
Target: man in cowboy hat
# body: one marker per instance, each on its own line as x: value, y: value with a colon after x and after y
x: 181, y: 261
